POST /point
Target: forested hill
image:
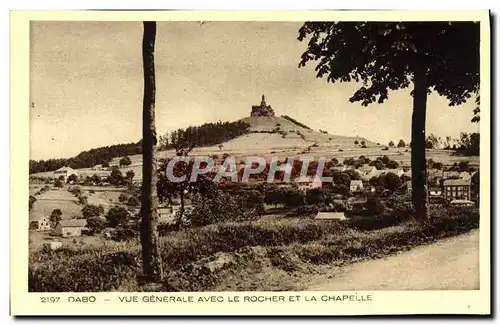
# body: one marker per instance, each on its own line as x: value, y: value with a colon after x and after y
x: 208, y: 134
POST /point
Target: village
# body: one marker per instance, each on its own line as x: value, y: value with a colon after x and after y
x: 359, y: 187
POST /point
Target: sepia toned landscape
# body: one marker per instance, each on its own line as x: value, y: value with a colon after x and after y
x: 399, y: 212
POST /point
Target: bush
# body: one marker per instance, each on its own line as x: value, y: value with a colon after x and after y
x: 117, y: 216
x: 374, y: 206
x: 307, y: 210
x: 116, y: 268
x: 133, y: 201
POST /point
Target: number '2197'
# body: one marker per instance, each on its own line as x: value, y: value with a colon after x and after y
x: 50, y: 299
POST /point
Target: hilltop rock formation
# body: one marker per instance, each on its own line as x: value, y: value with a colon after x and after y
x: 263, y: 109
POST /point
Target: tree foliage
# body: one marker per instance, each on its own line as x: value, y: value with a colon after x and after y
x: 382, y: 55
x: 385, y: 56
x: 125, y: 161
x: 90, y: 211
x: 117, y: 216
x: 55, y: 216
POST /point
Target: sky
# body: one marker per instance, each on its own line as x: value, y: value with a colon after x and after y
x: 86, y: 85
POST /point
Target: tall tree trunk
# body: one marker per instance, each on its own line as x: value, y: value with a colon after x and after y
x: 152, y: 266
x: 418, y: 161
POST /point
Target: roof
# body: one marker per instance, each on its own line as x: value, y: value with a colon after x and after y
x: 330, y: 216
x: 366, y: 168
x: 65, y: 168
x: 461, y: 201
x: 73, y: 223
x: 456, y: 182
x: 356, y: 182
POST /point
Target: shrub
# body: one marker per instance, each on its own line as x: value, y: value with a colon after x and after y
x: 58, y: 183
x: 123, y: 197
x: 90, y: 211
x: 133, y: 201
x: 117, y: 216
x: 110, y: 269
x: 374, y: 206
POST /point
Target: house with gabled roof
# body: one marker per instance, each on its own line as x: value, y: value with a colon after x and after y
x: 71, y: 227
x: 65, y: 172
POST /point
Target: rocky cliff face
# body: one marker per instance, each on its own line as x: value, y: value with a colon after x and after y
x: 263, y: 109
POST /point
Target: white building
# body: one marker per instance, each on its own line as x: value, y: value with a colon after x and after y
x: 65, y: 172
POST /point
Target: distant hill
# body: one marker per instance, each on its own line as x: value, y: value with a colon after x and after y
x: 253, y: 134
x: 204, y: 135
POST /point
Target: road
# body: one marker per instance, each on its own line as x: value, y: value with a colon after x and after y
x: 450, y: 264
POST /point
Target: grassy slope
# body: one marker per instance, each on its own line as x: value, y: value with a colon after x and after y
x: 267, y: 254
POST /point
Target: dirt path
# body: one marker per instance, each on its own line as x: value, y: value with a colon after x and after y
x: 451, y: 264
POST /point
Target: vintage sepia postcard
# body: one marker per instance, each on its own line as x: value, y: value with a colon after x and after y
x: 250, y: 163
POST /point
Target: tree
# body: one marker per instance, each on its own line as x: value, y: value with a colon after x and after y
x: 95, y: 179
x: 91, y: 210
x: 391, y: 181
x: 468, y: 144
x: 116, y: 177
x: 151, y: 258
x: 32, y: 201
x: 133, y: 201
x: 385, y: 159
x: 391, y: 143
x: 95, y: 224
x: 463, y: 165
x: 315, y: 196
x: 432, y: 142
x: 122, y: 198
x: 58, y: 183
x: 55, y: 217
x: 105, y: 164
x: 72, y: 178
x: 125, y: 161
x: 363, y: 143
x: 392, y: 164
x: 378, y: 164
x: 356, y: 142
x: 117, y: 216
x: 83, y: 200
x: 433, y: 56
x: 401, y: 144
x: 374, y: 206
x: 129, y: 175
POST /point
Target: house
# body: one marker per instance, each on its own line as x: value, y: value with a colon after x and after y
x: 407, y: 173
x: 435, y: 194
x: 451, y: 174
x: 40, y: 224
x: 71, y: 228
x: 408, y: 188
x: 356, y: 186
x: 65, y: 172
x: 456, y: 189
x: 367, y: 172
x: 330, y: 216
x: 54, y: 245
x: 308, y: 184
x: 461, y: 203
x: 397, y: 171
x: 465, y: 176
